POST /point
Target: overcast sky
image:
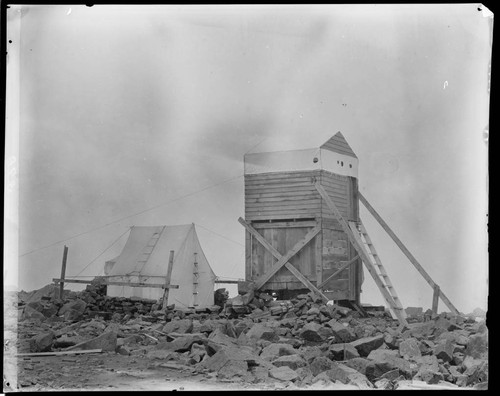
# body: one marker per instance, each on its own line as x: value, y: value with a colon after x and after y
x: 127, y: 108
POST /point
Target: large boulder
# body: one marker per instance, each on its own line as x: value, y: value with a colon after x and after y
x: 365, y: 345
x: 218, y: 337
x: 230, y: 355
x: 409, y: 348
x: 184, y: 343
x: 414, y: 311
x: 233, y: 370
x: 179, y: 326
x: 429, y: 376
x: 392, y: 341
x: 342, y: 352
x: 260, y: 332
x: 292, y: 361
x: 50, y: 310
x: 428, y: 369
x: 476, y: 371
x: 419, y: 330
x: 429, y: 362
x: 75, y: 305
x: 274, y: 351
x: 359, y: 364
x: 42, y: 342
x: 320, y: 364
x: 445, y: 324
x: 384, y: 360
x: 477, y: 346
x: 341, y: 332
x: 444, y: 350
x: 32, y: 313
x: 106, y: 342
x: 315, y: 332
x: 310, y: 353
x: 347, y: 375
x: 283, y: 373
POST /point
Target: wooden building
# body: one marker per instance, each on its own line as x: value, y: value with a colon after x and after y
x: 292, y: 219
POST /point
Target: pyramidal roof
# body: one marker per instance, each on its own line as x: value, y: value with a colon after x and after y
x: 338, y: 144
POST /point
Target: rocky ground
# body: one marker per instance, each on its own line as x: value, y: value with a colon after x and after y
x: 93, y: 342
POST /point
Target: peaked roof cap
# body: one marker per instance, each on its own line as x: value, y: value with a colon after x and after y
x: 338, y: 144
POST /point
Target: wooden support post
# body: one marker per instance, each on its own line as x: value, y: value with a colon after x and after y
x: 167, y: 279
x: 435, y: 299
x: 407, y: 253
x: 63, y: 272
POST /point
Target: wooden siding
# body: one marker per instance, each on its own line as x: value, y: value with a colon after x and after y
x: 335, y: 253
x: 275, y: 203
x: 337, y: 187
x: 283, y: 239
x: 289, y: 195
x: 281, y: 195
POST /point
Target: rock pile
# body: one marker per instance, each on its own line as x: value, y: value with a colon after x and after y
x: 257, y: 339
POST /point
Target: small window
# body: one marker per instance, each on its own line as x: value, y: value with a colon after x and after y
x: 350, y: 165
x: 338, y: 162
x: 341, y: 163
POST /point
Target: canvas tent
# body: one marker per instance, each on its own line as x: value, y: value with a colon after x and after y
x: 145, y: 258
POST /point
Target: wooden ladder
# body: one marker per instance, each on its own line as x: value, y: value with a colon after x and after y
x: 359, y: 229
x: 196, y: 278
x: 148, y: 249
x: 354, y: 237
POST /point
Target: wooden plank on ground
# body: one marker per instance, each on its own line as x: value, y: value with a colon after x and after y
x: 59, y: 353
x: 407, y: 253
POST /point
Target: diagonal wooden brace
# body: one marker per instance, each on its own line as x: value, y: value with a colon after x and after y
x: 338, y: 271
x: 283, y: 260
x: 407, y: 253
x: 357, y: 243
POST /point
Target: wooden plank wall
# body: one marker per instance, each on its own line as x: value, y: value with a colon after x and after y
x: 292, y: 195
x: 281, y: 195
x: 336, y: 253
x: 283, y: 239
x: 337, y: 187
